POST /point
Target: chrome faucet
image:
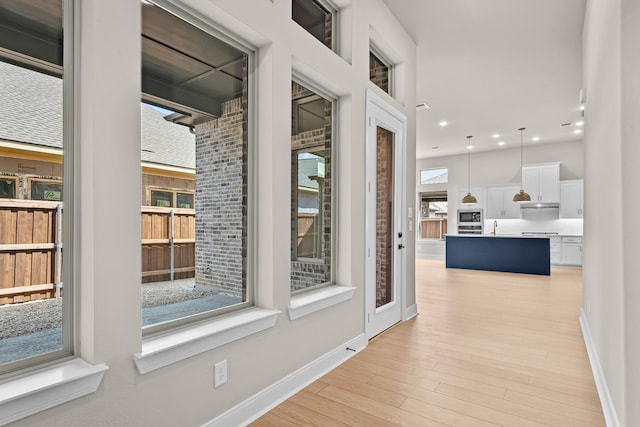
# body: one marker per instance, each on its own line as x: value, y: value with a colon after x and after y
x: 495, y: 225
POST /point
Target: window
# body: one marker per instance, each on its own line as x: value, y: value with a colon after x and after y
x: 379, y: 72
x: 45, y: 189
x: 169, y: 198
x: 8, y: 187
x: 195, y: 110
x: 312, y: 183
x: 317, y: 17
x: 434, y: 176
x: 33, y: 89
x: 433, y: 216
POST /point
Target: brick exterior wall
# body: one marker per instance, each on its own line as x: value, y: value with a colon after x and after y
x: 378, y: 73
x: 384, y: 216
x: 222, y: 200
x: 306, y: 273
x: 328, y: 30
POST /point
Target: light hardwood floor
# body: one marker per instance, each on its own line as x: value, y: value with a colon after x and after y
x: 486, y: 349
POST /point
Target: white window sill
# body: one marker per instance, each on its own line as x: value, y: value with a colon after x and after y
x: 36, y: 391
x: 312, y: 301
x: 175, y: 346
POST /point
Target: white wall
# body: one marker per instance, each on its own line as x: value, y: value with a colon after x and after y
x: 630, y: 17
x: 108, y: 271
x: 611, y: 252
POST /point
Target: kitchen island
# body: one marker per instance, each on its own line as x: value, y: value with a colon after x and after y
x: 513, y: 254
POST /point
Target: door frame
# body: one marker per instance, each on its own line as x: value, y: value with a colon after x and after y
x: 380, y: 113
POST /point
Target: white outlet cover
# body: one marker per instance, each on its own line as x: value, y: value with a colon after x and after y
x: 220, y: 374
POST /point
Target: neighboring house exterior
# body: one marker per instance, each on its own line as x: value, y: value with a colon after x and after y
x: 31, y: 152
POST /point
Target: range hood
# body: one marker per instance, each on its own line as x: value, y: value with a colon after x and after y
x: 539, y: 205
x: 540, y: 211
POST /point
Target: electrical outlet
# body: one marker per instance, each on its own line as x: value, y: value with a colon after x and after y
x: 220, y: 374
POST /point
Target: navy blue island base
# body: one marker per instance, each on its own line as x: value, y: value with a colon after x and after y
x: 510, y: 254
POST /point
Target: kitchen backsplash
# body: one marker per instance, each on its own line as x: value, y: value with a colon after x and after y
x: 517, y: 226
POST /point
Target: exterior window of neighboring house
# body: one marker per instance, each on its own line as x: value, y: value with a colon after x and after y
x: 172, y: 198
x: 434, y: 176
x: 312, y: 183
x: 433, y: 216
x: 318, y: 17
x: 380, y: 72
x: 45, y: 189
x: 34, y: 90
x: 8, y: 187
x: 195, y: 120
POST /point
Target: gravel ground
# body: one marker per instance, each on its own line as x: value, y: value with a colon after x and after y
x: 34, y: 316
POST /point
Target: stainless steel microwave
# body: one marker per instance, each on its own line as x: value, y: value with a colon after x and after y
x: 470, y: 217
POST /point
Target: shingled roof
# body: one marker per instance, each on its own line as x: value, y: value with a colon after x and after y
x: 31, y: 113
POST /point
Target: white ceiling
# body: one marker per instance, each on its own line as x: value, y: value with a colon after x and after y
x: 493, y: 66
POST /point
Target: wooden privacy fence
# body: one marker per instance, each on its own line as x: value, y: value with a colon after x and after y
x: 433, y: 228
x: 168, y: 243
x: 30, y: 250
x: 308, y: 235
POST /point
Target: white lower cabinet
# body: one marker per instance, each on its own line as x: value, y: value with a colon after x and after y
x: 566, y: 250
x: 556, y: 250
x: 572, y: 250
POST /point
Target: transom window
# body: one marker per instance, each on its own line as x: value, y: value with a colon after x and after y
x: 434, y: 176
x: 317, y: 17
x: 380, y: 72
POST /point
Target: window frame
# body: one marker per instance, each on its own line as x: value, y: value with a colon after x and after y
x: 166, y: 330
x: 67, y: 75
x: 309, y: 84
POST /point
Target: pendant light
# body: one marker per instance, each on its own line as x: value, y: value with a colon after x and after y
x: 469, y: 198
x: 521, y: 196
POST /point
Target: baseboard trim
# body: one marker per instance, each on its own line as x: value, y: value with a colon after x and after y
x: 608, y: 409
x: 410, y: 312
x: 267, y: 399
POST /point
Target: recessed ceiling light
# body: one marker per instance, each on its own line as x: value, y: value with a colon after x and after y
x: 535, y: 138
x: 579, y: 123
x: 495, y: 135
x: 469, y: 147
x: 443, y: 123
x: 577, y: 131
x: 582, y: 107
x: 422, y: 106
x: 501, y: 143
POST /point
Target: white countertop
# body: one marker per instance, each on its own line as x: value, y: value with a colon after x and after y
x: 528, y: 236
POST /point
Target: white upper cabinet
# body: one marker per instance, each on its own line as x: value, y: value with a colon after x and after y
x: 542, y: 182
x: 571, y: 199
x: 500, y: 202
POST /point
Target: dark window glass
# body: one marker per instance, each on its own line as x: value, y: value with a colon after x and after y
x: 46, y: 190
x: 314, y: 18
x: 378, y: 72
x: 184, y: 200
x: 7, y: 188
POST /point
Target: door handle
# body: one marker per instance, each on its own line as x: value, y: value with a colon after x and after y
x: 401, y: 246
